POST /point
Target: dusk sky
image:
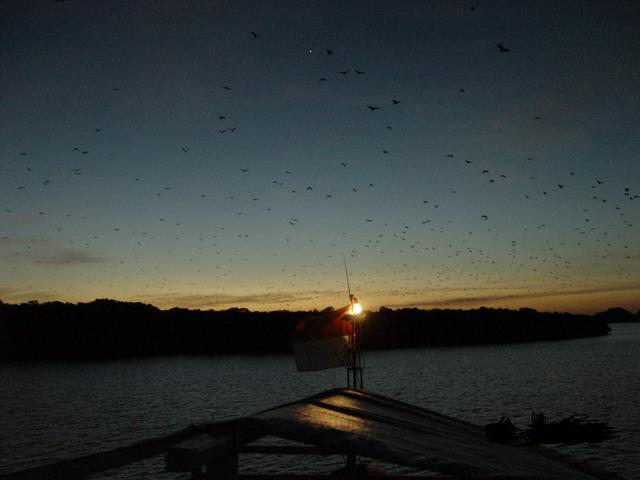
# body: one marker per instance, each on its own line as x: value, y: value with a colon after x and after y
x: 217, y: 154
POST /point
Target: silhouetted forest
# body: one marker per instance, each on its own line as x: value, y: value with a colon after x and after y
x: 113, y: 329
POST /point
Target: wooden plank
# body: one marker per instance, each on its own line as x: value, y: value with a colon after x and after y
x: 81, y: 467
x: 210, y: 448
x: 225, y: 468
x: 435, y: 476
x: 197, y: 451
x: 289, y: 450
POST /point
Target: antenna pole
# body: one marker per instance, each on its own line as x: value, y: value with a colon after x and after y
x: 354, y: 362
x: 346, y: 272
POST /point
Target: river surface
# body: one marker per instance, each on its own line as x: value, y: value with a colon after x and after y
x: 62, y: 410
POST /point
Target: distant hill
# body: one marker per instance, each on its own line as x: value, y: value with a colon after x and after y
x: 111, y: 329
x: 618, y: 315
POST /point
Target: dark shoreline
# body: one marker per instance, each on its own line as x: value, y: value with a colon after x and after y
x: 108, y: 329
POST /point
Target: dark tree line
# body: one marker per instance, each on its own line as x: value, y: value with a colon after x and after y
x: 112, y: 329
x: 416, y: 328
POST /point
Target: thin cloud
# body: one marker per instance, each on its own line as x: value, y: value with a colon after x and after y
x: 479, y: 300
x: 69, y: 257
x: 229, y: 300
x: 47, y: 252
x: 7, y: 241
x: 14, y: 295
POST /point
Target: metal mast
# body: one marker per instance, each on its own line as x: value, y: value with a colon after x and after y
x: 354, y: 360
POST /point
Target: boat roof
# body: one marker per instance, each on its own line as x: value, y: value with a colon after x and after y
x: 377, y: 427
x: 345, y: 421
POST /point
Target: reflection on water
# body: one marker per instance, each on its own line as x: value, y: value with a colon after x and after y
x: 62, y: 410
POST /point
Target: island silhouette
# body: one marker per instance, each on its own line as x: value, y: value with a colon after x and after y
x: 104, y: 329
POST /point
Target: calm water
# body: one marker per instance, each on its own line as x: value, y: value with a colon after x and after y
x: 48, y: 412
